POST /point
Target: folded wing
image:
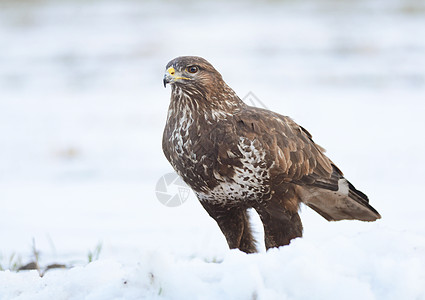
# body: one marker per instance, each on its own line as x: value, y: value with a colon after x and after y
x: 298, y: 160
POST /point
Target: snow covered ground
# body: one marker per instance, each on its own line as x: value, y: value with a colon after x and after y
x: 82, y: 110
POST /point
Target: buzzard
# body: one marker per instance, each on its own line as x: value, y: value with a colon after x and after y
x: 237, y: 157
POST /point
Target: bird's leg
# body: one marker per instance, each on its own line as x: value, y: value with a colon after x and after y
x: 248, y: 243
x: 280, y: 226
x: 234, y: 223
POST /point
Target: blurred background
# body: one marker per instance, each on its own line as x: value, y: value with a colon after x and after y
x: 82, y: 109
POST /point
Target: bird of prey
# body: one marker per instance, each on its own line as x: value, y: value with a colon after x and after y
x: 236, y: 157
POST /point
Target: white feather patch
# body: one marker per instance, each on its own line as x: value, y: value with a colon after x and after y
x: 343, y: 186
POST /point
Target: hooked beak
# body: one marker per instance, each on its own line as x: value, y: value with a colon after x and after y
x: 165, y: 81
x: 172, y: 76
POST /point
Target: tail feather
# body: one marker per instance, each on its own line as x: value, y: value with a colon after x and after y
x: 346, y: 203
x: 361, y: 198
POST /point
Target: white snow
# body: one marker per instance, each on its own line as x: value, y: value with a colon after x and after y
x: 82, y: 109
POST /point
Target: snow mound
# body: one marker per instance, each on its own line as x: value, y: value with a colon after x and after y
x: 367, y: 266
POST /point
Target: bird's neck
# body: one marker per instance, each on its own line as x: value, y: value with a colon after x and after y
x: 211, y: 106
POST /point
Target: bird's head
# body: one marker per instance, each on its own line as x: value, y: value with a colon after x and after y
x: 190, y: 72
x: 194, y: 80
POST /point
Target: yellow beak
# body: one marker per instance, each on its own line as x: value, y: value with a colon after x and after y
x: 171, y: 71
x: 171, y: 76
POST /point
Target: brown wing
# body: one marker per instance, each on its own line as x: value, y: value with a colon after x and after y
x: 297, y: 159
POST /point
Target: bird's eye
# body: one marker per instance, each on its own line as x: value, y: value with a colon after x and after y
x: 192, y: 69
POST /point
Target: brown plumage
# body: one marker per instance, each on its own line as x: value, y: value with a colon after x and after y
x: 236, y: 157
